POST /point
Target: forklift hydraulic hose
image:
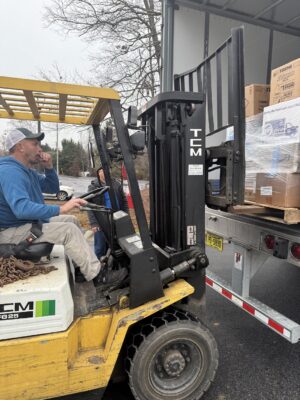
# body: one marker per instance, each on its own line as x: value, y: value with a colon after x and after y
x: 169, y: 274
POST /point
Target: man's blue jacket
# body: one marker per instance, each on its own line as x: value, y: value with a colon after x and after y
x: 21, y: 198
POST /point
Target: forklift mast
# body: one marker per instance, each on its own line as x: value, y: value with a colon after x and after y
x: 220, y: 79
x: 176, y: 148
x: 186, y: 153
x: 181, y: 162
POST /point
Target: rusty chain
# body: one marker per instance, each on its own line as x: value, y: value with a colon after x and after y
x: 13, y: 269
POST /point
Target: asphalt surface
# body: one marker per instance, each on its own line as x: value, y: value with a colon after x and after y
x: 255, y: 363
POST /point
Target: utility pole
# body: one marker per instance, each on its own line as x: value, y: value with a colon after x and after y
x: 57, y: 161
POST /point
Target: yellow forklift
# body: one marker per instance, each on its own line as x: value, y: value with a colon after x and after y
x: 59, y: 337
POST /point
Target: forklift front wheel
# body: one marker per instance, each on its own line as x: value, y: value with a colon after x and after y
x: 176, y: 361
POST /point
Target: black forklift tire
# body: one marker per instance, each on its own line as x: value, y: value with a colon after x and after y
x: 175, y: 361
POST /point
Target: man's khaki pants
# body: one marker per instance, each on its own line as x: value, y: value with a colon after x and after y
x: 65, y: 230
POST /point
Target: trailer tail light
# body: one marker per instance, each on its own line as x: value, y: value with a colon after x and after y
x: 295, y: 250
x: 269, y: 242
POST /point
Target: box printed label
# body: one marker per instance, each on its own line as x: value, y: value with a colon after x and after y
x: 266, y: 191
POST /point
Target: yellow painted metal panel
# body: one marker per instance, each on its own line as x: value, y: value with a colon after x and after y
x: 100, y: 323
x: 79, y: 359
x: 36, y: 95
x: 5, y: 105
x: 62, y: 106
x: 44, y: 118
x: 32, y: 104
x: 59, y: 88
x: 122, y: 320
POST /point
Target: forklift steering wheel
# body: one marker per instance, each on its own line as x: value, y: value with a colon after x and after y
x: 93, y: 193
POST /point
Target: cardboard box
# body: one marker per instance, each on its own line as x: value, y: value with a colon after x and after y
x: 256, y: 98
x: 281, y: 190
x: 253, y: 129
x: 252, y: 161
x: 250, y: 186
x: 281, y: 123
x: 285, y: 82
x: 277, y: 158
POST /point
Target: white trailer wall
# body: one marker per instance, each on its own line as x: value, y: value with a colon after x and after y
x: 189, y: 43
x: 189, y: 38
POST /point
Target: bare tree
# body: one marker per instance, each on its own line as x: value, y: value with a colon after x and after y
x: 128, y: 37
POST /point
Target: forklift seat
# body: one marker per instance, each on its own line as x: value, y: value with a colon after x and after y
x: 34, y: 252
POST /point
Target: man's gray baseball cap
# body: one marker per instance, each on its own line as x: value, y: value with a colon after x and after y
x: 16, y: 135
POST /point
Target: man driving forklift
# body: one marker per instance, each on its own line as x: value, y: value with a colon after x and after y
x: 22, y: 203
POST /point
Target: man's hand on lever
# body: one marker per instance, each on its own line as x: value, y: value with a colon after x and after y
x: 71, y: 204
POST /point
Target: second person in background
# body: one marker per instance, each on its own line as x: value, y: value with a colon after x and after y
x: 100, y: 245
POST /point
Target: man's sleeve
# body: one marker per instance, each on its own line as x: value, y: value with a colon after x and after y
x: 16, y: 195
x: 49, y: 182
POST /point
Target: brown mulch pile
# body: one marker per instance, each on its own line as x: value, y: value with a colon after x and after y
x: 145, y: 198
x: 12, y: 270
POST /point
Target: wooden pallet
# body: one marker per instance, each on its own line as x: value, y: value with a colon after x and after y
x: 272, y: 213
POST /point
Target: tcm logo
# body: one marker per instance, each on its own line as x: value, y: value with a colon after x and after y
x: 16, y: 307
x: 196, y: 143
x: 30, y: 309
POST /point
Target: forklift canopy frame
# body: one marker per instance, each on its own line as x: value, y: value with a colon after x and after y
x: 26, y: 99
x: 34, y: 100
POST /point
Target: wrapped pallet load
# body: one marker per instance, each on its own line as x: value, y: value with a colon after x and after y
x: 253, y: 131
x: 273, y: 142
x: 277, y: 152
x: 256, y: 99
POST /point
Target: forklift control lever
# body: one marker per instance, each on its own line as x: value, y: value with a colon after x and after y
x: 93, y: 193
x: 95, y: 208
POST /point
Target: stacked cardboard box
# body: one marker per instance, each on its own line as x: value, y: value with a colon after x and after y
x: 279, y: 190
x: 256, y: 98
x: 272, y: 150
x: 273, y: 140
x: 285, y: 82
x: 272, y: 146
x: 278, y: 157
x: 253, y: 131
x: 278, y: 181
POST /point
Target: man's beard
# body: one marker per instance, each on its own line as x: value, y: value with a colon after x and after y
x: 34, y: 162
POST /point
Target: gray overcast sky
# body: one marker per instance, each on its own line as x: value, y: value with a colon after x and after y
x: 28, y: 46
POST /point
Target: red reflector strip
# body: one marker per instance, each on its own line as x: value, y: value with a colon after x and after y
x: 227, y: 294
x: 209, y: 281
x: 248, y: 308
x: 276, y: 326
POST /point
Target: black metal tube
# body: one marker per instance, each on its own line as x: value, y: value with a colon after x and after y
x: 170, y: 274
x: 123, y: 136
x: 167, y: 44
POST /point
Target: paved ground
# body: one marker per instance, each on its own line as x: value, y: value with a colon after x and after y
x: 255, y: 363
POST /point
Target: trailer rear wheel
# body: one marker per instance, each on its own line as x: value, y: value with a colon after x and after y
x: 174, y: 361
